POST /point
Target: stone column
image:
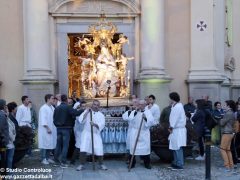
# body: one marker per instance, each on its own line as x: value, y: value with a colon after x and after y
x: 36, y: 39
x: 236, y: 52
x: 38, y: 78
x: 204, y: 75
x: 152, y: 39
x: 152, y: 76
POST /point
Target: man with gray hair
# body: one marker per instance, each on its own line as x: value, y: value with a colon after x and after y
x: 143, y: 146
x: 91, y: 118
x: 132, y: 108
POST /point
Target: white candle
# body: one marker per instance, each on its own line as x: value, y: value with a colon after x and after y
x: 128, y: 74
x: 83, y: 76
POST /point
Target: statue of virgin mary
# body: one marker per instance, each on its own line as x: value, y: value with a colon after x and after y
x: 106, y: 70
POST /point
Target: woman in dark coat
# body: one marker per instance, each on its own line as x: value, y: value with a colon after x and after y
x: 199, y: 126
x: 12, y: 109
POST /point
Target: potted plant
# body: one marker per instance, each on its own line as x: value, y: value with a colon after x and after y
x: 160, y: 144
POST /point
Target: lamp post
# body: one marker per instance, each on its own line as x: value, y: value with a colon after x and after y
x: 208, y: 154
x: 109, y: 87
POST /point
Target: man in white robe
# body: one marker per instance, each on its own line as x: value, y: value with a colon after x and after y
x: 47, y: 132
x: 143, y: 147
x: 154, y: 108
x: 98, y: 123
x: 23, y: 115
x: 125, y: 116
x: 132, y: 108
x: 178, y: 132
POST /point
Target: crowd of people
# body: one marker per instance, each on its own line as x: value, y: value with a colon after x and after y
x: 222, y: 121
x: 12, y: 119
x: 68, y: 126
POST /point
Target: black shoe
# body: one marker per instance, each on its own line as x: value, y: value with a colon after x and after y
x: 57, y: 163
x: 64, y: 165
x: 172, y: 166
x: 177, y: 168
x: 72, y: 162
x: 148, y: 166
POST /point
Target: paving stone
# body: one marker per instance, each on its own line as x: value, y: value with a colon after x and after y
x: 117, y: 169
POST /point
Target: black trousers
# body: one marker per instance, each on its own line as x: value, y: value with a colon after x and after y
x: 75, y: 155
x: 201, y: 145
x: 3, y: 161
x: 71, y: 147
x: 145, y: 158
x: 235, y: 147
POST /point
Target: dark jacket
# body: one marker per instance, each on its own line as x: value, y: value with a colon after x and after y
x: 164, y: 118
x: 209, y: 105
x: 199, y: 122
x: 4, y: 137
x: 189, y: 108
x: 218, y: 114
x: 64, y: 116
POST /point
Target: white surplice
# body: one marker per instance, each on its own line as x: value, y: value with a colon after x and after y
x: 23, y: 115
x: 155, y: 110
x: 86, y: 139
x: 125, y: 117
x: 143, y: 145
x: 46, y: 140
x: 78, y: 128
x: 177, y: 120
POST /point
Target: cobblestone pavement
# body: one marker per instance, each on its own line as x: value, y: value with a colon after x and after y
x: 194, y: 170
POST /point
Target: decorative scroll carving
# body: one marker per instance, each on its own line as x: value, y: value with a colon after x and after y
x: 230, y: 64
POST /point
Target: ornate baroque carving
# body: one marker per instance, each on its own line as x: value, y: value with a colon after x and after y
x: 92, y: 6
x: 230, y: 64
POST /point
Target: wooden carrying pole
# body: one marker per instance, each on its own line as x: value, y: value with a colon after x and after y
x: 93, y: 158
x: 135, y: 145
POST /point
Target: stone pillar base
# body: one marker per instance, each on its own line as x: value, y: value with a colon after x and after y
x: 206, y: 82
x: 211, y: 88
x: 156, y: 86
x: 235, y: 92
x: 37, y: 89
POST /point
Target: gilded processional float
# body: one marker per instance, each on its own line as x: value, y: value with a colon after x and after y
x: 97, y: 68
x: 99, y: 62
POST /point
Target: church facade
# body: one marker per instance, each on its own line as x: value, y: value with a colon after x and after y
x: 187, y: 46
